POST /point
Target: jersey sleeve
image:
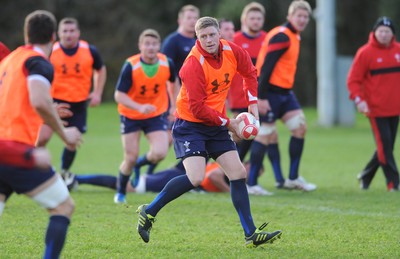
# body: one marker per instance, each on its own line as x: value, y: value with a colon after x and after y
x: 125, y: 82
x: 172, y: 70
x: 248, y: 72
x: 97, y: 60
x: 38, y: 65
x: 356, y: 75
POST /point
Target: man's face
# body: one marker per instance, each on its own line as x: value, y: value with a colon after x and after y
x: 149, y: 47
x: 209, y: 39
x: 299, y: 19
x: 227, y: 30
x: 188, y: 21
x: 69, y: 35
x: 383, y: 35
x: 254, y: 21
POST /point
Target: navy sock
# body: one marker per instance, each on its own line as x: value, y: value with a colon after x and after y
x: 151, y: 168
x: 141, y: 161
x: 98, y: 180
x: 243, y: 148
x: 156, y: 182
x: 295, y: 150
x: 275, y: 159
x: 121, y: 183
x: 67, y: 158
x: 172, y: 190
x: 256, y: 161
x: 55, y: 236
x: 240, y: 199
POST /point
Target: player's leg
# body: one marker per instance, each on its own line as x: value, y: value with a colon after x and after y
x: 78, y: 119
x: 385, y: 130
x: 158, y: 142
x: 53, y: 195
x: 156, y: 133
x: 234, y: 169
x: 102, y: 180
x: 369, y: 171
x: 130, y: 145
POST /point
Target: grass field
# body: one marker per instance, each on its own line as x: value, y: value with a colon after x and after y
x: 338, y: 220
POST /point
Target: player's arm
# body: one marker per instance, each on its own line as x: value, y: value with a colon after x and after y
x: 249, y: 74
x: 357, y: 73
x: 99, y: 77
x: 173, y: 87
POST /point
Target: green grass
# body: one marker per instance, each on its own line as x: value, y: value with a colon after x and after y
x: 336, y: 221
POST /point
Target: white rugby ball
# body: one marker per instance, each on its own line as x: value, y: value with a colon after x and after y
x: 249, y: 126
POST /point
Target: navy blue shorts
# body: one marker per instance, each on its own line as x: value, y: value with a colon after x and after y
x: 147, y: 125
x: 79, y: 117
x: 21, y: 180
x: 196, y: 139
x: 280, y: 105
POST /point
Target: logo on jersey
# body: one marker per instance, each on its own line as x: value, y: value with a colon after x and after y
x: 219, y: 86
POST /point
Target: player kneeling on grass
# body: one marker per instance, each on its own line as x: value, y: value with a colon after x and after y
x: 201, y: 128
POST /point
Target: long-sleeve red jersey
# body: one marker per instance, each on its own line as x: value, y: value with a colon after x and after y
x: 375, y: 77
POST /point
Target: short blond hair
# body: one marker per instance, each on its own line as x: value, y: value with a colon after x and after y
x: 205, y: 22
x: 299, y: 4
x: 69, y: 20
x: 187, y: 8
x: 149, y: 33
x: 251, y: 7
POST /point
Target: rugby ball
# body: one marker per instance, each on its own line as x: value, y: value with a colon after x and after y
x: 249, y: 126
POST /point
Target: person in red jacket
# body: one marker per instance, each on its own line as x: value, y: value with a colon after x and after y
x: 373, y: 84
x: 202, y: 127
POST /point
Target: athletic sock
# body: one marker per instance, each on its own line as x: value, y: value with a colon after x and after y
x: 122, y: 181
x: 151, y: 168
x: 172, y: 190
x: 295, y: 150
x: 98, y: 180
x: 275, y: 159
x: 240, y: 200
x: 243, y: 148
x: 55, y: 236
x: 256, y: 161
x: 141, y: 161
x: 67, y: 158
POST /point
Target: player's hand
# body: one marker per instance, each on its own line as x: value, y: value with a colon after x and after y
x: 94, y: 99
x: 263, y: 106
x: 147, y: 108
x: 362, y: 107
x: 73, y: 137
x: 42, y: 158
x: 233, y: 127
x: 63, y: 110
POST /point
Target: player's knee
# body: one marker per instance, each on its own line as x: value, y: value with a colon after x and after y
x: 130, y: 159
x: 157, y: 155
x: 55, y: 198
x: 266, y: 130
x: 296, y: 123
